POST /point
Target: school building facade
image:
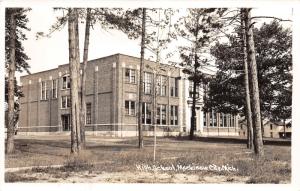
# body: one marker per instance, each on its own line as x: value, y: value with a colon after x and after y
x: 111, y: 101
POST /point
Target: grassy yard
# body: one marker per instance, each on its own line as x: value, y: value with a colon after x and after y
x: 118, y: 159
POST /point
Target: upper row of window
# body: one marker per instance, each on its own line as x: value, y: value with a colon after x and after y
x: 130, y: 77
x: 161, y: 83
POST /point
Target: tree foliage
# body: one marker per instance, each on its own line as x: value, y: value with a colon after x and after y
x: 274, y: 62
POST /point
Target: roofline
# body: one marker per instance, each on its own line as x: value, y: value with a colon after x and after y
x: 112, y: 55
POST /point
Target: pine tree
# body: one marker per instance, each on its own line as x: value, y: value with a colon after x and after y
x: 198, y: 28
x: 16, y: 60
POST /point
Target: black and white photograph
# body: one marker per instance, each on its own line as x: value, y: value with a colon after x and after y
x: 139, y: 94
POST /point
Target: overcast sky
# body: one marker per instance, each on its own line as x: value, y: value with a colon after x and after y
x: 48, y: 53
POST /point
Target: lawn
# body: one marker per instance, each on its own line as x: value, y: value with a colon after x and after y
x: 178, y: 160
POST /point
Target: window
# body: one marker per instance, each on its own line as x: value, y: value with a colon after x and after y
x: 225, y: 120
x: 88, y: 113
x: 162, y: 85
x: 147, y: 82
x: 43, y: 91
x: 146, y: 113
x: 54, y: 88
x: 130, y: 76
x: 174, y: 115
x: 66, y: 82
x: 191, y: 90
x: 214, y: 115
x: 221, y: 120
x: 173, y: 87
x: 271, y: 126
x: 161, y: 115
x: 65, y: 101
x: 130, y: 107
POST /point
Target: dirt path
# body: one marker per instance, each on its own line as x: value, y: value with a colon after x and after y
x: 128, y: 177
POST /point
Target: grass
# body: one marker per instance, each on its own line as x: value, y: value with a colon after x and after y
x: 115, y: 155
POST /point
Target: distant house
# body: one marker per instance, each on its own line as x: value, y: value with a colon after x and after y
x: 271, y: 129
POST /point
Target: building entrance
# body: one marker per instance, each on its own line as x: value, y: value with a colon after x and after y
x: 65, y: 121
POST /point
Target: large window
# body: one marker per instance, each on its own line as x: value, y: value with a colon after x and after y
x: 54, y: 88
x: 204, y: 119
x: 174, y: 115
x: 130, y: 76
x: 162, y: 85
x: 146, y: 113
x: 43, y: 91
x: 130, y: 107
x: 65, y: 101
x: 173, y: 87
x: 221, y: 120
x: 191, y: 90
x: 147, y: 82
x: 214, y: 115
x: 225, y: 120
x: 161, y: 114
x: 66, y: 82
x: 88, y: 114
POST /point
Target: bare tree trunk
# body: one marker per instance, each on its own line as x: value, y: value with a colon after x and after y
x: 154, y: 114
x: 284, y: 129
x: 195, y: 84
x: 258, y: 143
x: 11, y: 85
x: 74, y: 76
x: 140, y: 125
x: 247, y: 91
x: 85, y: 59
x: 262, y: 126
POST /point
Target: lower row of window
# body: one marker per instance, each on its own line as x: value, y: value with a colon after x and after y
x: 161, y: 113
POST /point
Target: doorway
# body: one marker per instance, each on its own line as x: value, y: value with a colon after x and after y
x: 65, y: 120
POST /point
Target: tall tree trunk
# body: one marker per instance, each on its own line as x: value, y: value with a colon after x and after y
x: 255, y: 102
x: 11, y: 85
x: 85, y: 59
x: 284, y: 129
x: 247, y: 91
x: 194, y: 99
x: 140, y: 125
x: 74, y: 76
x: 262, y: 126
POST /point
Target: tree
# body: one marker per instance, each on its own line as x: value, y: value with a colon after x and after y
x: 16, y: 60
x: 198, y: 28
x: 134, y: 22
x: 83, y: 78
x: 74, y: 65
x: 274, y: 67
x: 247, y: 89
x: 143, y: 34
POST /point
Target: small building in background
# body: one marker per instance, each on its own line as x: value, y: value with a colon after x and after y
x: 271, y: 129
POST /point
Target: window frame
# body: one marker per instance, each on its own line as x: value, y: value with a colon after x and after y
x: 131, y: 77
x: 147, y: 83
x: 66, y: 84
x: 173, y: 87
x: 130, y: 111
x: 146, y: 113
x: 174, y: 115
x: 54, y: 89
x: 67, y: 100
x: 88, y: 113
x: 43, y: 86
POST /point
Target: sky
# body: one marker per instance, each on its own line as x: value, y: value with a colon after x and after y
x: 47, y: 53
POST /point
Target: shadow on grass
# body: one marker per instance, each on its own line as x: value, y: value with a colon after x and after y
x: 233, y: 140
